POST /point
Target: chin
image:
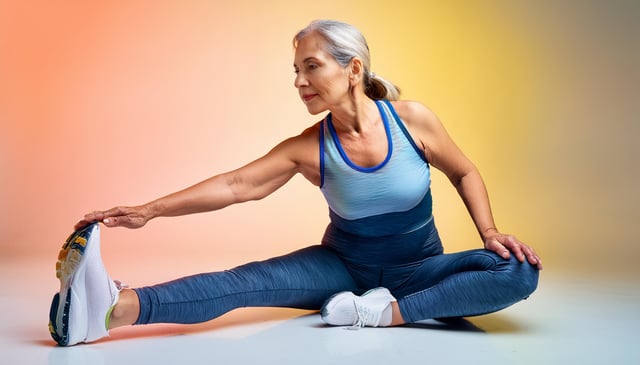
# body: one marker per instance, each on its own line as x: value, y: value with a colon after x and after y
x: 316, y: 110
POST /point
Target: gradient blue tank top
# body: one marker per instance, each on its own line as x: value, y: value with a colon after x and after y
x: 391, y: 198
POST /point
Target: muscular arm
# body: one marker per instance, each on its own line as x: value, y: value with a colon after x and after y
x: 253, y: 181
x: 445, y: 155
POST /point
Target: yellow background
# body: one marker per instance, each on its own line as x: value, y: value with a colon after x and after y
x: 106, y: 103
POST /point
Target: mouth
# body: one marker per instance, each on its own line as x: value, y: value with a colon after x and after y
x: 308, y: 97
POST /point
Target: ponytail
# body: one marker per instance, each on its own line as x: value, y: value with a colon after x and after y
x: 378, y: 88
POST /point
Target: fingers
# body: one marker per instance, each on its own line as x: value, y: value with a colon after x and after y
x: 516, y: 247
x: 499, y: 248
x: 81, y: 223
x: 89, y: 218
x: 503, y: 244
x: 534, y: 259
x: 118, y: 216
x: 110, y: 218
x: 129, y: 217
x: 524, y: 252
x: 119, y: 221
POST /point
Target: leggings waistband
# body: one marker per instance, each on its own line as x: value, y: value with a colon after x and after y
x: 384, y: 250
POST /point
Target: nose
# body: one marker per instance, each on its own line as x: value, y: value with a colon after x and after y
x: 300, y: 80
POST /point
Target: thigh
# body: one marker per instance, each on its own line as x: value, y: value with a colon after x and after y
x: 304, y: 278
x: 427, y: 273
x: 465, y: 284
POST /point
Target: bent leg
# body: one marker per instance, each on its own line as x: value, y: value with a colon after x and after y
x: 465, y: 284
x: 302, y: 279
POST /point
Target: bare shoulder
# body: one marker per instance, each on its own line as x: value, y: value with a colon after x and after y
x: 426, y: 129
x: 422, y: 123
x: 312, y: 132
x: 415, y: 114
x: 305, y: 141
x: 302, y: 151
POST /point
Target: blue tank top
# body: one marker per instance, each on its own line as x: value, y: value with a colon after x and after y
x: 391, y: 198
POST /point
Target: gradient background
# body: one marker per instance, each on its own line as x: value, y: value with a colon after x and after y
x: 106, y: 103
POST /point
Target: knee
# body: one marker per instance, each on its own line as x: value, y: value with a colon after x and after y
x: 524, y: 276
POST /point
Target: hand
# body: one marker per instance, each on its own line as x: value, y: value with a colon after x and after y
x: 130, y: 217
x: 504, y: 245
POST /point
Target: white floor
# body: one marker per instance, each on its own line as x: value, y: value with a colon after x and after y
x: 571, y: 319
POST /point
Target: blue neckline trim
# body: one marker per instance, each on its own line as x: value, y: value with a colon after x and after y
x: 405, y: 131
x: 343, y: 154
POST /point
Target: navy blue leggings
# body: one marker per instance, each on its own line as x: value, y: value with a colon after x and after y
x: 426, y: 282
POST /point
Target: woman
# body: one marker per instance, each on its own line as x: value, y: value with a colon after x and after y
x: 371, y: 158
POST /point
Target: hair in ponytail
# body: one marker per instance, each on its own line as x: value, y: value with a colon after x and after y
x: 378, y: 88
x: 344, y: 42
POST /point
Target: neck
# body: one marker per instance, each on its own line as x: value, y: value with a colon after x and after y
x: 358, y: 115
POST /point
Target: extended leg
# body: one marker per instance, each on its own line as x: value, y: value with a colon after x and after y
x: 302, y: 279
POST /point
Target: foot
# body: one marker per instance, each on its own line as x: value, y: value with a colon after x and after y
x: 372, y: 309
x: 80, y: 311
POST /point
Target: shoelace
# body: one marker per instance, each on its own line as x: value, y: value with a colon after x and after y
x: 365, y: 316
x: 120, y: 285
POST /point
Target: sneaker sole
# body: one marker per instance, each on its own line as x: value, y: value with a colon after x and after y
x: 70, y: 269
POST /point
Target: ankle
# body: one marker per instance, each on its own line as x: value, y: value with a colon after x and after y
x: 126, y: 310
x: 396, y: 316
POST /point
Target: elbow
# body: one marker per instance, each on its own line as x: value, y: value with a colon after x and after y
x: 458, y: 180
x: 236, y: 192
x: 240, y: 191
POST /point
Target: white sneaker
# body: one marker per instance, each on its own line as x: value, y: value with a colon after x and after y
x: 372, y: 309
x: 80, y: 311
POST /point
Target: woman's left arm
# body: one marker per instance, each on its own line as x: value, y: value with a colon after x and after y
x: 474, y: 194
x: 444, y: 154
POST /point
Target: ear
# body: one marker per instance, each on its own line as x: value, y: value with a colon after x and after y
x: 356, y: 71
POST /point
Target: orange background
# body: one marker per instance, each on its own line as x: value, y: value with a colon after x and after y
x: 108, y: 103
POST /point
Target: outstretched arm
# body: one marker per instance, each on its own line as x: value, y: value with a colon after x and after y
x: 445, y: 155
x: 253, y: 181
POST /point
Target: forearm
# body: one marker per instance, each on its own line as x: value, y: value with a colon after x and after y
x: 473, y: 192
x: 211, y: 194
x: 253, y: 181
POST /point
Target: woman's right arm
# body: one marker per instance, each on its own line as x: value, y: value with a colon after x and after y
x: 253, y: 181
x: 211, y: 194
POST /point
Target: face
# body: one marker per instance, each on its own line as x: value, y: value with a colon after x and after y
x: 321, y: 82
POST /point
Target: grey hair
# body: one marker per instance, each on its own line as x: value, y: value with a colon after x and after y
x: 345, y: 42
